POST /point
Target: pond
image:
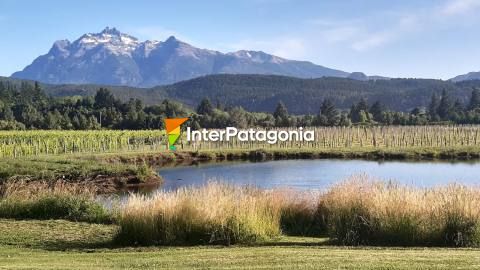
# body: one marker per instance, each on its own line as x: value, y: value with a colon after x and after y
x: 319, y: 174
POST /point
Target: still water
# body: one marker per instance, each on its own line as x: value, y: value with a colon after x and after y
x: 320, y: 174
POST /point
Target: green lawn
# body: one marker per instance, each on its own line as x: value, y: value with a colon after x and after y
x: 69, y: 245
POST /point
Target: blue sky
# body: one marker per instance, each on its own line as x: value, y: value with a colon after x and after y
x: 409, y: 38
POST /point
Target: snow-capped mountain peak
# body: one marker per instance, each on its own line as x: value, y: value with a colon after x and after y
x: 113, y: 57
x: 112, y: 39
x: 258, y: 56
x: 145, y: 48
x: 60, y: 48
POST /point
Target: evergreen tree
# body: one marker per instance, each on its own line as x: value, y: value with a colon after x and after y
x: 281, y: 115
x: 457, y: 112
x: 37, y: 90
x: 281, y: 111
x: 354, y: 114
x: 328, y: 110
x: 355, y: 111
x: 219, y: 105
x: 474, y: 100
x: 433, y: 108
x: 169, y: 108
x: 458, y: 107
x: 205, y: 107
x: 377, y: 111
x: 362, y: 105
x: 445, y: 106
x: 104, y: 99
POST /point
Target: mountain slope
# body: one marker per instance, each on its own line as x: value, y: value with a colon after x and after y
x: 115, y: 58
x: 97, y: 58
x: 467, y: 77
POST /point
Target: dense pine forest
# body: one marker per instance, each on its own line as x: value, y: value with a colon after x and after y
x: 26, y: 106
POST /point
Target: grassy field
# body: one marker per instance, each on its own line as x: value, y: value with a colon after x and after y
x: 66, y: 245
x: 130, y: 156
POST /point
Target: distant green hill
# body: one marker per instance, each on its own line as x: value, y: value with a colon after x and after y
x: 263, y: 92
x: 148, y: 96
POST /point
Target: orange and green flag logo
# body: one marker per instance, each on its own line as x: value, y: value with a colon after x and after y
x: 172, y: 126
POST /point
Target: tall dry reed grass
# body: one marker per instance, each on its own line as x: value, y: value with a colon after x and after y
x: 215, y: 213
x: 358, y: 211
x: 365, y: 212
x: 51, y: 200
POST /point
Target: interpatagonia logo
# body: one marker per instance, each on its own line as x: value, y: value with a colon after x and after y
x: 172, y: 126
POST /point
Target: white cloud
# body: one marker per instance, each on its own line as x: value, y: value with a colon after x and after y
x: 459, y: 7
x: 413, y: 22
x: 321, y: 34
x: 339, y: 39
x: 374, y: 40
x: 363, y: 35
x: 291, y: 48
x: 333, y: 31
x: 286, y: 47
x: 354, y: 33
x: 339, y: 34
x: 318, y: 35
x: 401, y: 26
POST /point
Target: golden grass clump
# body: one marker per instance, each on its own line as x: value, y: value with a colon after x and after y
x: 51, y: 200
x: 214, y: 213
x: 365, y: 212
x: 358, y: 211
x: 26, y: 189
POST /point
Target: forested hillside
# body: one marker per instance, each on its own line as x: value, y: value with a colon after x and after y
x: 24, y: 105
x: 262, y: 93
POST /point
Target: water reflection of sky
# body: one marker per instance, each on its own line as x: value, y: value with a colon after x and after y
x: 319, y: 174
